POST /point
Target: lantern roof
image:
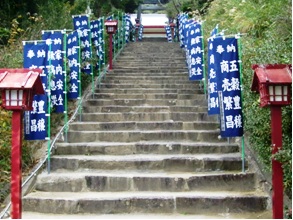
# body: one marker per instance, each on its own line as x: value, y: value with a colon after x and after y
x: 271, y: 74
x: 111, y: 23
x: 21, y: 79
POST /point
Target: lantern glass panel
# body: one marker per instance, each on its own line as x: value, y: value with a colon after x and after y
x: 285, y: 93
x: 14, y: 97
x: 110, y: 29
x: 278, y: 93
x: 271, y: 93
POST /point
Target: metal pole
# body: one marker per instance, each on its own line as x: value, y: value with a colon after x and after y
x: 16, y: 143
x: 110, y: 52
x: 277, y: 171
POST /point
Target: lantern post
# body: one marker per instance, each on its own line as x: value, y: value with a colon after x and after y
x: 18, y: 88
x: 111, y: 27
x: 273, y: 82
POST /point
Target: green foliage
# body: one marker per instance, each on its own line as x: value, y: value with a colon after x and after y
x: 4, y: 35
x: 268, y: 39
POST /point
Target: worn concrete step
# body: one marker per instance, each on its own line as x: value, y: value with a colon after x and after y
x: 146, y: 77
x: 144, y: 147
x: 146, y: 102
x: 144, y: 202
x: 125, y: 73
x: 144, y: 135
x: 151, y: 86
x: 146, y: 96
x: 149, y: 162
x: 128, y: 61
x: 150, y: 60
x: 116, y: 181
x: 150, y: 70
x: 148, y: 91
x: 136, y: 80
x: 142, y: 125
x: 115, y: 108
x: 153, y: 52
x: 222, y: 215
x: 146, y: 116
x: 143, y: 65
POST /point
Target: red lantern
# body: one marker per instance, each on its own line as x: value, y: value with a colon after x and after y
x: 18, y: 88
x: 111, y: 26
x: 273, y: 82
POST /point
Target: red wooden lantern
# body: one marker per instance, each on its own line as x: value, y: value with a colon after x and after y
x: 18, y: 88
x: 273, y: 82
x: 111, y: 26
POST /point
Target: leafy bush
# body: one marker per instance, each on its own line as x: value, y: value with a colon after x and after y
x: 268, y: 39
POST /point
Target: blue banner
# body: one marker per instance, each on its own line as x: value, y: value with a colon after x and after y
x: 81, y: 23
x: 168, y: 33
x: 228, y: 83
x: 195, y: 52
x: 35, y: 55
x: 213, y: 100
x: 56, y: 57
x: 128, y: 27
x: 182, y: 18
x: 96, y: 38
x: 73, y: 57
x: 140, y: 32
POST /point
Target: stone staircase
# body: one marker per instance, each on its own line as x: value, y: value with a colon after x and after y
x: 146, y: 147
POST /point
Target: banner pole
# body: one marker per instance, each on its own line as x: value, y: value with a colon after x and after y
x: 204, y: 66
x: 79, y: 78
x: 49, y: 114
x: 65, y: 85
x: 104, y: 52
x: 239, y: 43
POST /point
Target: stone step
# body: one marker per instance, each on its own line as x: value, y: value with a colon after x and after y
x: 222, y: 215
x: 117, y: 181
x: 144, y: 135
x: 147, y: 116
x: 145, y: 102
x: 126, y: 73
x: 146, y: 96
x: 151, y: 70
x: 144, y: 147
x: 151, y: 86
x: 199, y: 202
x: 148, y: 91
x: 132, y: 77
x: 154, y: 53
x: 115, y: 108
x: 149, y: 162
x: 142, y: 125
x: 137, y: 80
x: 155, y: 60
x: 146, y: 63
